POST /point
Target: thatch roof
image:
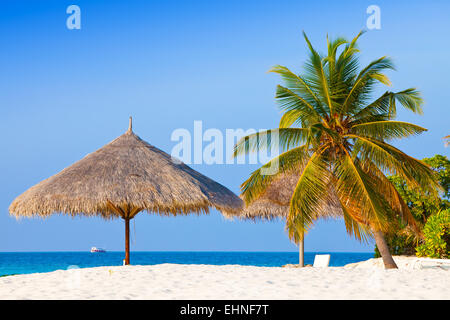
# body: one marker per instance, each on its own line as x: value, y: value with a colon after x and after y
x: 127, y: 174
x: 274, y: 202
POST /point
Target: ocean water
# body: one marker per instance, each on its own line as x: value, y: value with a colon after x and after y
x: 32, y: 262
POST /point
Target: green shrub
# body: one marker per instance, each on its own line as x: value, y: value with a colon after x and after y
x: 402, y: 240
x: 436, y: 232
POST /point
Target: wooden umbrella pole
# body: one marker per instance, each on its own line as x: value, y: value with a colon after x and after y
x: 301, y: 253
x: 127, y: 241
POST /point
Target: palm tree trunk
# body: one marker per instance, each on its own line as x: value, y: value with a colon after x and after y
x: 127, y: 241
x: 388, y: 261
x: 301, y: 253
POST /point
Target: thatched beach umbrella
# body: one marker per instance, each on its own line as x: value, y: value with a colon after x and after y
x: 275, y: 201
x: 123, y: 178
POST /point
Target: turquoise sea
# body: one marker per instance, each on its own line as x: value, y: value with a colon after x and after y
x: 32, y: 262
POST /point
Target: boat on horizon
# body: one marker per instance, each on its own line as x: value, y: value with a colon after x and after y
x: 95, y: 249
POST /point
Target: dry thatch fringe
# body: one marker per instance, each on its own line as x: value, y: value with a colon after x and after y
x: 275, y: 201
x: 130, y: 175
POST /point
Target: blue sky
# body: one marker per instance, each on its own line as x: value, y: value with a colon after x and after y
x: 65, y: 93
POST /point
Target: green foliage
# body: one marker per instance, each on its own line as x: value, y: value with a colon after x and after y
x: 437, y: 236
x: 441, y: 165
x: 421, y: 203
x: 402, y: 241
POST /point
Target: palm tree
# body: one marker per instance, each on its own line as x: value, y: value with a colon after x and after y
x: 333, y: 128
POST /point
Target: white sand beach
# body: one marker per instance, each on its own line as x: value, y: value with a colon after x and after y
x: 365, y: 280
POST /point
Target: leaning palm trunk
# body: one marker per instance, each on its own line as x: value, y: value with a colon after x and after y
x: 388, y: 261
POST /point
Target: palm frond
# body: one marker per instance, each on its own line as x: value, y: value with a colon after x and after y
x: 333, y: 46
x: 290, y: 118
x: 352, y: 48
x: 289, y: 100
x: 311, y: 190
x: 409, y: 99
x: 387, y: 157
x: 318, y: 77
x: 387, y: 130
x: 363, y: 80
x: 379, y: 107
x: 386, y: 105
x: 390, y: 193
x: 258, y: 181
x: 300, y: 87
x: 354, y: 186
x: 283, y: 138
x: 354, y: 225
x: 348, y: 63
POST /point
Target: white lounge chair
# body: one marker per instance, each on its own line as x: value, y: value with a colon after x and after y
x: 321, y: 260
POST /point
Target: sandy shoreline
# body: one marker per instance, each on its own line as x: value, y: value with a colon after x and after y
x: 365, y: 280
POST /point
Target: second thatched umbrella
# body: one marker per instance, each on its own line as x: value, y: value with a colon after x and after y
x: 275, y: 201
x: 121, y: 179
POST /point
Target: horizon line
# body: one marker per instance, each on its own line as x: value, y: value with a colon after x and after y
x: 203, y: 251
